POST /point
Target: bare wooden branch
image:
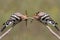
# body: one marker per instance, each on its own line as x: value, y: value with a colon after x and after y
x: 31, y: 18
x: 5, y: 33
x: 53, y: 32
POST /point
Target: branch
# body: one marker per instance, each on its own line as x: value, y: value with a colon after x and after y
x: 53, y: 32
x: 5, y: 33
x: 31, y: 18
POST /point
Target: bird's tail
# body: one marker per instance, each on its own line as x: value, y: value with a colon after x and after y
x: 57, y: 28
x: 53, y: 23
x: 6, y: 24
x: 3, y: 28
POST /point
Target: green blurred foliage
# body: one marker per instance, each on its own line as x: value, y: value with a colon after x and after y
x: 34, y: 32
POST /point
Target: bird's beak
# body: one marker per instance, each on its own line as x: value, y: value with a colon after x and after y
x: 36, y: 17
x: 24, y: 17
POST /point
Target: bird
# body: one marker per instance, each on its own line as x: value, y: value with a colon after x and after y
x: 45, y: 18
x: 14, y: 19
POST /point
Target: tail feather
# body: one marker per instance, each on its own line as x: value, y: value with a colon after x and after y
x: 57, y: 28
x: 3, y: 28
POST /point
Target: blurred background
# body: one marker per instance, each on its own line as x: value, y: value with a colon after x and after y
x: 34, y: 30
